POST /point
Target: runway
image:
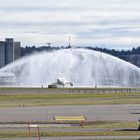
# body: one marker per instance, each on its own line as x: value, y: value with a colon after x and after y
x: 91, y: 112
x: 76, y: 138
x: 74, y: 90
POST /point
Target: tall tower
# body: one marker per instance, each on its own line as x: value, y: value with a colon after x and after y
x: 12, y: 50
x: 9, y: 50
x: 2, y: 54
x: 17, y: 50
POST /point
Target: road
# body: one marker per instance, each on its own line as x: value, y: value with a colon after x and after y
x: 74, y: 90
x: 91, y: 112
x: 76, y: 138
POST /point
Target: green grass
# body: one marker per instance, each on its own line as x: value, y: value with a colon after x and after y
x: 68, y: 96
x: 97, y: 124
x: 52, y: 134
x: 112, y: 124
x: 60, y: 96
x: 12, y: 100
x: 87, y: 124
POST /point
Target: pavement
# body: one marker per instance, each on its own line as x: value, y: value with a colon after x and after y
x: 47, y: 113
x: 74, y: 90
x: 91, y: 112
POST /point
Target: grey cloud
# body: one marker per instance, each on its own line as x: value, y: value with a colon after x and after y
x: 110, y: 32
x: 99, y: 19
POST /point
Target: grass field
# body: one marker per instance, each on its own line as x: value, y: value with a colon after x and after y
x: 110, y: 131
x: 53, y: 134
x: 17, y: 100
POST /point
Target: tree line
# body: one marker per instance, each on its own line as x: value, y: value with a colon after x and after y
x: 118, y: 53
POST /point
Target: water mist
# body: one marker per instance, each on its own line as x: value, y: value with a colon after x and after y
x: 82, y: 67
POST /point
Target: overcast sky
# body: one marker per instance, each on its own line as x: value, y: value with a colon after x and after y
x: 106, y: 23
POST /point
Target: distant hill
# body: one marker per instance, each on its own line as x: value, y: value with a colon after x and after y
x: 132, y: 56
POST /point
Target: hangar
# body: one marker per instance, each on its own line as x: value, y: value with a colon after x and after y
x: 7, y: 78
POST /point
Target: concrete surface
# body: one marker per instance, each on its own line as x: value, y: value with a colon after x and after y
x: 91, y: 112
x: 40, y: 90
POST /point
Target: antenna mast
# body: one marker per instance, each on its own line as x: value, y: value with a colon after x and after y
x: 69, y: 42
